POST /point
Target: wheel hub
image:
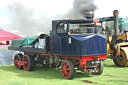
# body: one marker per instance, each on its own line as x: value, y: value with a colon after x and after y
x: 120, y: 57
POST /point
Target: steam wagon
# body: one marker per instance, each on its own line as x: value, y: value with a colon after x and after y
x: 72, y: 44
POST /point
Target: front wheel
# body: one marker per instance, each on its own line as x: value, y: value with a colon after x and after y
x: 67, y: 69
x: 99, y: 69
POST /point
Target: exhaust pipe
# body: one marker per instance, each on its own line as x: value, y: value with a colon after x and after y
x: 115, y: 13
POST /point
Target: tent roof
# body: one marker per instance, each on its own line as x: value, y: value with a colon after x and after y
x: 6, y: 36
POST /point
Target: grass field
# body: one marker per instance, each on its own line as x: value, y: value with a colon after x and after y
x: 111, y: 75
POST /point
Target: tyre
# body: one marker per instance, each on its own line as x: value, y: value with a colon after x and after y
x: 18, y: 57
x: 67, y: 69
x: 29, y: 62
x: 99, y: 69
x: 121, y: 62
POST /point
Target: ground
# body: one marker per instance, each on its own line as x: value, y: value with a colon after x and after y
x: 111, y: 75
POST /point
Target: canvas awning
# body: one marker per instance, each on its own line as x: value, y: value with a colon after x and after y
x: 6, y: 36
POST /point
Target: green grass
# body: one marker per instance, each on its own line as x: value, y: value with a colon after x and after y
x: 111, y: 75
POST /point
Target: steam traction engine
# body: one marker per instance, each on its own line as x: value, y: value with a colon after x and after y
x: 71, y: 44
x: 115, y: 29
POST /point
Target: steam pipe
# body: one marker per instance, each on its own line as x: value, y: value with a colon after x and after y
x: 115, y: 13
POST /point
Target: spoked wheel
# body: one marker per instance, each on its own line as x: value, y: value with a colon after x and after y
x: 29, y: 62
x: 99, y: 69
x: 18, y: 57
x: 67, y: 69
x: 121, y: 62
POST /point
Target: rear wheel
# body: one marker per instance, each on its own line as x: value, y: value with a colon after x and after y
x: 99, y: 69
x: 67, y: 69
x: 29, y: 62
x: 122, y: 61
x: 18, y: 57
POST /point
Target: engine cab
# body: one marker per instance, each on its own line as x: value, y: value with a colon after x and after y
x: 77, y: 38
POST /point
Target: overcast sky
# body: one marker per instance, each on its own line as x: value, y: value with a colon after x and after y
x: 106, y: 7
x: 53, y: 8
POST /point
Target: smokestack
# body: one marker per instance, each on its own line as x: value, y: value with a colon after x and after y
x: 115, y: 13
x: 89, y: 15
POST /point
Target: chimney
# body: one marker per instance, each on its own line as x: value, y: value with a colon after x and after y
x: 115, y: 13
x: 89, y: 15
